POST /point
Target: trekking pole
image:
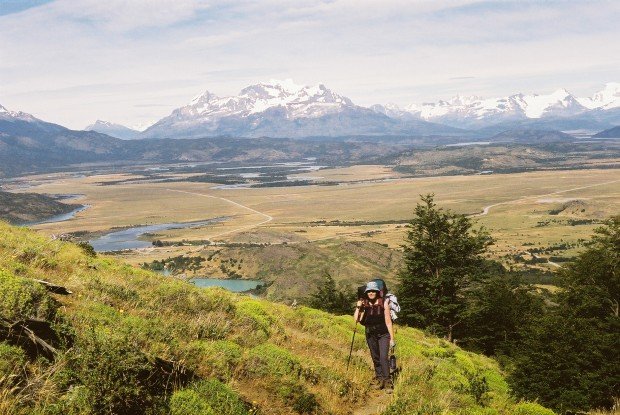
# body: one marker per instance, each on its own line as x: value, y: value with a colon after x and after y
x: 351, y: 349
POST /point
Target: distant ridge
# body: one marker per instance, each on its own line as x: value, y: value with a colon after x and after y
x: 610, y: 133
x: 113, y: 130
x: 532, y: 136
x: 28, y: 144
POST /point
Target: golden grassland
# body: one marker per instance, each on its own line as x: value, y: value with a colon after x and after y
x: 519, y: 217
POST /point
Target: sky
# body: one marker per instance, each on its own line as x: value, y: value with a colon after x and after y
x: 133, y: 61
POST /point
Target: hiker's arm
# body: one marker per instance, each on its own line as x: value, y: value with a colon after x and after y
x: 388, y: 320
x: 358, y: 308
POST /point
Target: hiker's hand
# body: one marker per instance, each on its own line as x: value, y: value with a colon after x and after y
x: 359, y: 303
x: 392, y: 344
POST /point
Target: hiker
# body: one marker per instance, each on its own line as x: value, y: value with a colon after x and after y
x: 374, y: 313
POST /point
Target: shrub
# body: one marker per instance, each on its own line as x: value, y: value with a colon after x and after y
x: 23, y: 298
x: 255, y: 311
x: 119, y: 378
x: 270, y: 360
x: 12, y: 360
x: 296, y: 396
x: 220, y: 357
x: 212, y: 326
x: 206, y: 398
x: 531, y: 408
x: 75, y: 402
x: 87, y: 249
x: 189, y: 402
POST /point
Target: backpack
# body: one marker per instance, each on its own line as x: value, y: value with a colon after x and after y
x: 383, y: 293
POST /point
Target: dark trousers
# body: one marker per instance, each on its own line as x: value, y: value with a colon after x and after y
x: 379, y: 345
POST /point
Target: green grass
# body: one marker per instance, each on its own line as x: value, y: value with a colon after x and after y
x: 133, y: 341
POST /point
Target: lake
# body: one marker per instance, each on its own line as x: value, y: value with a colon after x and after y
x: 59, y: 218
x: 231, y: 285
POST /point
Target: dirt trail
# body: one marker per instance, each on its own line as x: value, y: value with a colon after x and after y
x: 242, y: 228
x: 485, y: 210
x: 375, y: 405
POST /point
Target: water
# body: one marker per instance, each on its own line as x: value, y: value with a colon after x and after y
x: 129, y: 238
x: 59, y: 218
x: 469, y: 143
x: 231, y: 285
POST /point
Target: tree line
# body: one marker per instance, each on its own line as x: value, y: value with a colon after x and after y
x: 562, y: 349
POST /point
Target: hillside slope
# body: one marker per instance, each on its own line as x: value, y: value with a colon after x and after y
x: 19, y: 208
x: 610, y: 133
x: 127, y: 341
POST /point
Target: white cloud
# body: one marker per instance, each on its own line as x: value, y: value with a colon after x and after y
x: 123, y: 15
x: 132, y: 61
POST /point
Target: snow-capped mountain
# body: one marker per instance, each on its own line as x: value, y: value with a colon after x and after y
x: 281, y: 109
x: 607, y: 99
x: 18, y: 122
x: 477, y: 112
x: 7, y: 115
x: 113, y: 130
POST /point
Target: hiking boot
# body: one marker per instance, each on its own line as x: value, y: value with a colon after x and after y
x: 388, y: 386
x: 376, y: 384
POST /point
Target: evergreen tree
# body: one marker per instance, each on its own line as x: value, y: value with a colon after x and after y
x: 570, y: 358
x: 332, y: 299
x: 443, y: 256
x: 497, y: 312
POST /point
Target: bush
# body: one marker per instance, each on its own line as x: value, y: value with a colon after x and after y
x: 530, y: 408
x: 296, y: 396
x: 119, y: 378
x: 333, y: 299
x: 270, y: 360
x: 87, y: 248
x: 189, y: 402
x: 23, y: 298
x: 12, y: 359
x: 206, y: 398
x: 75, y: 402
x: 220, y: 357
x: 255, y: 311
x: 185, y: 299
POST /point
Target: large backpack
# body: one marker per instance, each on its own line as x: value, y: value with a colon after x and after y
x: 385, y: 294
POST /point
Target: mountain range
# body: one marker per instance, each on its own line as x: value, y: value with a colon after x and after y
x: 559, y: 110
x: 29, y: 145
x: 284, y: 109
x: 113, y: 130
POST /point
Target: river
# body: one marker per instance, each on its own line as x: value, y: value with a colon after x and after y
x: 130, y: 238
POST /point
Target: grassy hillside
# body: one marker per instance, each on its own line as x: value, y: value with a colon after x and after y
x: 128, y: 341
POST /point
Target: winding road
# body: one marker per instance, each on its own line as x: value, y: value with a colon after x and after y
x: 485, y: 210
x: 267, y: 217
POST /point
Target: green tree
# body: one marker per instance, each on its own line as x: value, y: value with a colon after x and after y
x: 497, y: 311
x: 443, y: 256
x: 570, y: 359
x: 332, y: 299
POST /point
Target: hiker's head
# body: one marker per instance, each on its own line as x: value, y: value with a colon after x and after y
x: 372, y: 290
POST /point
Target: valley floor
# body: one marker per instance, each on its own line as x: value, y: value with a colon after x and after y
x: 352, y: 230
